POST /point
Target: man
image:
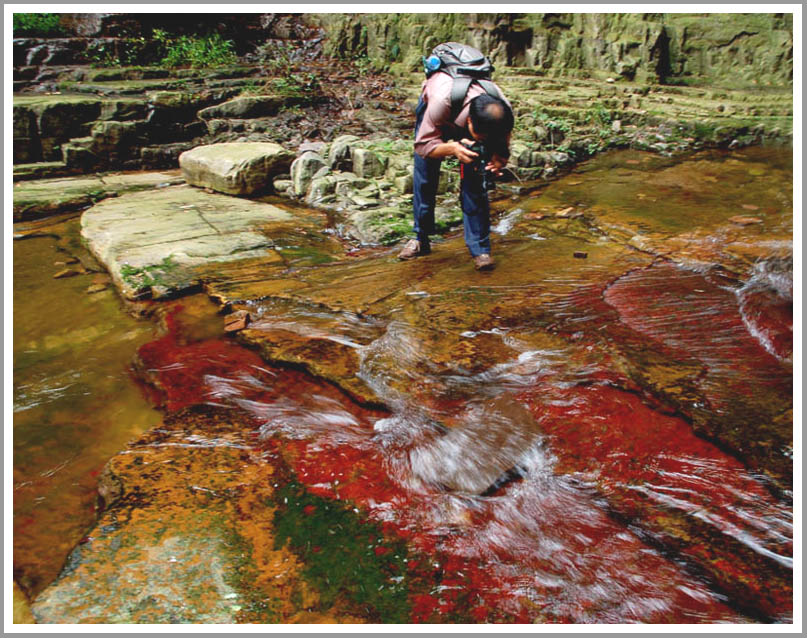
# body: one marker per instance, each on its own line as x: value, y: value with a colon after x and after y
x: 483, y: 118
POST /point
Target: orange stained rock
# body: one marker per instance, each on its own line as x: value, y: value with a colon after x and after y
x: 321, y: 356
x: 187, y: 535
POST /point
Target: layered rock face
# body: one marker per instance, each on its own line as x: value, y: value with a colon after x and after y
x: 726, y: 49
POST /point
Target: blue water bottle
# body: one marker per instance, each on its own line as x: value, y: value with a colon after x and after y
x: 431, y: 64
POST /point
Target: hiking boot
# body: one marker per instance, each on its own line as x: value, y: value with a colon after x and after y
x: 483, y: 262
x: 413, y: 249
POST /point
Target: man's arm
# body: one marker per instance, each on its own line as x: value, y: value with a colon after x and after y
x: 454, y: 149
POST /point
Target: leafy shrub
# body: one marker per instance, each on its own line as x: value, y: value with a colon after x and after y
x: 39, y: 25
x: 127, y: 52
x: 196, y: 52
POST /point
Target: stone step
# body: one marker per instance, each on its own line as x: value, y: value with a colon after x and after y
x: 42, y: 170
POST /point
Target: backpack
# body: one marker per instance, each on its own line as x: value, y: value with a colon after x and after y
x: 466, y: 65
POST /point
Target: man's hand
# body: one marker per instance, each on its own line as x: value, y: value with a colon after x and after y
x: 496, y: 164
x: 463, y: 154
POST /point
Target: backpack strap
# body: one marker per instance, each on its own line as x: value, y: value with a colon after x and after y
x: 460, y: 89
x: 490, y: 88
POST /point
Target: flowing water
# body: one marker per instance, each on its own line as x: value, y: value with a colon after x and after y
x: 598, y: 431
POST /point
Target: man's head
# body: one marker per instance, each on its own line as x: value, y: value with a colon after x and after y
x: 491, y: 121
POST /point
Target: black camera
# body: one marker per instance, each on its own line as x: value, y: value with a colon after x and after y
x: 478, y: 165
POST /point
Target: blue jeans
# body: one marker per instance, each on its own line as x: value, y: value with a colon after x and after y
x: 473, y: 198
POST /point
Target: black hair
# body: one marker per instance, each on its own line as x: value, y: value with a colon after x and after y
x: 492, y: 118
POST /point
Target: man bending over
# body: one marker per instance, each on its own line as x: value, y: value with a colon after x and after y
x: 483, y: 119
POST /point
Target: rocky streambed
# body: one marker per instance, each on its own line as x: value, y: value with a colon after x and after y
x: 599, y: 430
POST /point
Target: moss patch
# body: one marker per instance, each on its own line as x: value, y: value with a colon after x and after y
x: 345, y: 555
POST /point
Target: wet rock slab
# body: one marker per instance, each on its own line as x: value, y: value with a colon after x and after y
x: 186, y: 536
x: 42, y: 198
x: 157, y: 240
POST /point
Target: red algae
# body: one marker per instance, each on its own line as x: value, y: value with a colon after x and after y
x: 694, y: 314
x: 484, y: 557
x: 539, y: 550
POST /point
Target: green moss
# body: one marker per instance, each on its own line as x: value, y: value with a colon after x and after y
x: 147, y: 276
x: 346, y: 556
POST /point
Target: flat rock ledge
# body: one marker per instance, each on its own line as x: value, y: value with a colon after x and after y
x: 237, y: 168
x: 155, y: 243
x: 36, y: 199
x: 186, y: 536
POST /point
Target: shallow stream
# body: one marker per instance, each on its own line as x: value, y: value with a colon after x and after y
x: 598, y: 431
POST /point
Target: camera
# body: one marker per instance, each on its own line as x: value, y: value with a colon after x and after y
x: 478, y: 165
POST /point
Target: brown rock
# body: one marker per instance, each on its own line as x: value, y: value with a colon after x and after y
x: 237, y: 321
x: 91, y: 290
x: 579, y: 254
x: 67, y: 272
x: 742, y: 220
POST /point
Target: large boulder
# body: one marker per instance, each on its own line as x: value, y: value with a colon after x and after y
x: 34, y: 199
x: 320, y: 188
x: 367, y: 163
x: 340, y: 156
x: 236, y: 168
x: 303, y: 170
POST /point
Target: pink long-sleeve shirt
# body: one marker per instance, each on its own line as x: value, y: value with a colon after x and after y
x: 436, y: 127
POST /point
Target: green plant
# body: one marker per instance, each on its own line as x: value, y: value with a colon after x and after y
x: 294, y: 109
x: 295, y: 84
x: 393, y: 50
x: 147, y: 276
x: 196, y: 52
x: 39, y: 25
x: 345, y: 556
x: 557, y: 127
x: 703, y: 130
x: 594, y: 146
x: 128, y: 52
x: 566, y: 148
x: 362, y: 64
x: 599, y: 115
x: 251, y: 87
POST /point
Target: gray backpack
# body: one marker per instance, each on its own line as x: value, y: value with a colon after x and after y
x: 466, y: 65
